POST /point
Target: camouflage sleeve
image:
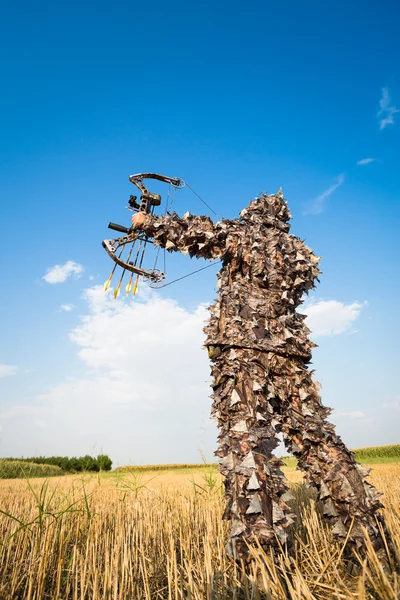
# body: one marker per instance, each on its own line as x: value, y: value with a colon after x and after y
x: 197, y: 236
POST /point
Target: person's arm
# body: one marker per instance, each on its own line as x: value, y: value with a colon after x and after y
x: 197, y: 236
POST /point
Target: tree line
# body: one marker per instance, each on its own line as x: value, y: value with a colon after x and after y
x: 74, y: 464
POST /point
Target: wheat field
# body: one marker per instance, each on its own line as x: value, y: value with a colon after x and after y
x: 160, y: 536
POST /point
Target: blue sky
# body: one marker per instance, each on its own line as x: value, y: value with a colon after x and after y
x: 235, y: 99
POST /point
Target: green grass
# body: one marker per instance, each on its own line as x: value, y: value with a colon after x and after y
x: 176, y: 468
x: 11, y: 469
x: 391, y: 451
x: 379, y: 460
x: 371, y: 455
x: 289, y: 461
x: 14, y: 469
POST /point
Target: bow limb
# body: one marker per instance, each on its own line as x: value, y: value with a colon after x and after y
x: 148, y: 199
x: 113, y: 246
x: 138, y: 180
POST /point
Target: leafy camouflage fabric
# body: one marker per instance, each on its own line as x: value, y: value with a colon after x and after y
x: 259, y: 348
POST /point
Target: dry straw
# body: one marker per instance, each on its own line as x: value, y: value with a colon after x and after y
x: 162, y: 537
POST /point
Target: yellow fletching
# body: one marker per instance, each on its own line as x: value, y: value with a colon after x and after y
x: 128, y: 286
x: 135, y: 287
x: 116, y: 291
x: 107, y: 283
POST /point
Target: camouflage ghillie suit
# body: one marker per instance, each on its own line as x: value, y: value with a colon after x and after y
x: 260, y: 349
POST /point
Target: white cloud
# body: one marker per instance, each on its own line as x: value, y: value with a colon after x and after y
x: 352, y: 414
x: 386, y: 111
x: 7, y: 370
x: 317, y: 205
x: 59, y: 273
x: 395, y: 405
x: 358, y: 417
x: 144, y: 396
x: 366, y: 161
x: 67, y: 307
x: 331, y: 317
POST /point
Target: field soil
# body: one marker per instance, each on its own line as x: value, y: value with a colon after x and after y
x: 159, y: 535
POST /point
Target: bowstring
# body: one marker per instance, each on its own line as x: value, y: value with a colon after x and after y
x: 168, y: 206
x: 203, y: 201
x: 145, y: 242
x: 159, y: 247
x: 215, y: 262
x: 202, y: 268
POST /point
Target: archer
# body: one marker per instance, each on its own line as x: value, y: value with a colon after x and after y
x: 260, y: 349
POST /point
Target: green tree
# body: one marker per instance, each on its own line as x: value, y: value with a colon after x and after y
x: 104, y: 462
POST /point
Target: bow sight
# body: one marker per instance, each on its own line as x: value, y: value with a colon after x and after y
x: 137, y: 239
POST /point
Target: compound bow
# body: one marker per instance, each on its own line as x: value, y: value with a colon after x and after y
x: 136, y: 239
